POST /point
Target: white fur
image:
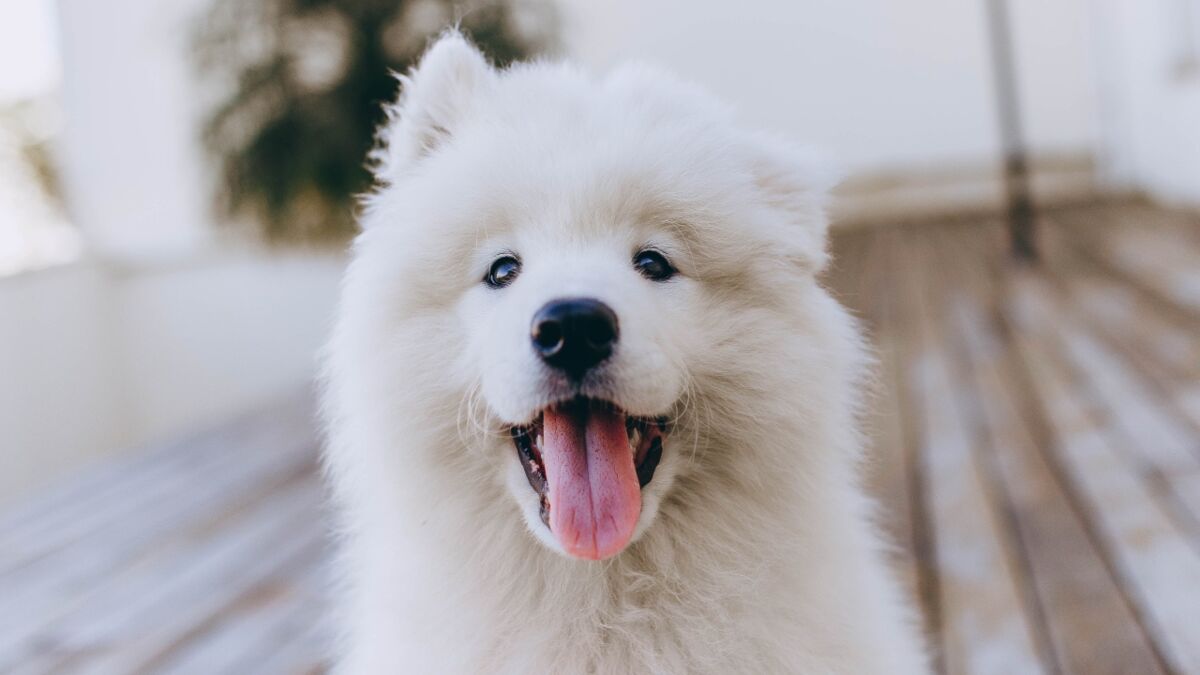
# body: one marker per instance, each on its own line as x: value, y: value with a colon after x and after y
x: 754, y: 551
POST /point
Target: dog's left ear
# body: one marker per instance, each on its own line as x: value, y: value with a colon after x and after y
x: 435, y: 97
x: 796, y: 184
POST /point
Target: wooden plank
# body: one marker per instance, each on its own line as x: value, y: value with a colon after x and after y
x: 81, y: 503
x: 1162, y: 350
x: 1172, y: 280
x: 162, y: 506
x: 267, y: 457
x: 1091, y: 628
x: 861, y: 270
x: 984, y: 625
x: 847, y: 250
x: 137, y: 483
x: 131, y: 616
x: 1116, y: 310
x: 268, y: 622
x: 1154, y: 561
x: 1175, y: 394
x: 1156, y: 439
x: 890, y: 471
x: 1166, y: 354
x: 101, y: 482
x: 105, y: 474
x: 1187, y: 487
x: 893, y: 467
x: 69, y: 581
x: 304, y: 652
x: 1163, y: 261
x: 901, y: 338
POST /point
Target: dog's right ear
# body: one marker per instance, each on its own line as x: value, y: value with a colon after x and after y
x: 435, y: 97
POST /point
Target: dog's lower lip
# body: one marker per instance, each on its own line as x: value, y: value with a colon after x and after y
x: 646, y: 443
x: 527, y: 453
x: 523, y: 438
x: 646, y: 467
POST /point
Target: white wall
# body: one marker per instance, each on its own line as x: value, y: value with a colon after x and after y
x: 133, y: 168
x: 58, y: 402
x: 202, y: 342
x: 1054, y: 49
x: 884, y: 87
x: 1152, y: 121
x: 95, y: 360
x: 879, y: 84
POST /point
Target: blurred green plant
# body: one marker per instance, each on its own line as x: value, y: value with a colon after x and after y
x: 301, y: 85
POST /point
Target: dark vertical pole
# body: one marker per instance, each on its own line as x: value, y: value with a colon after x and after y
x: 1016, y: 164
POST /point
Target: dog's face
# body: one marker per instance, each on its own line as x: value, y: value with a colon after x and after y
x: 581, y: 336
x: 582, y: 266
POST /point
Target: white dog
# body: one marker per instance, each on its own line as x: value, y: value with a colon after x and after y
x: 589, y: 409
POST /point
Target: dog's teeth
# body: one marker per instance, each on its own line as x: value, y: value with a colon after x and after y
x: 538, y: 441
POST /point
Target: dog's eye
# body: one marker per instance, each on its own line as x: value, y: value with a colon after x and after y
x: 653, y: 265
x: 502, y: 272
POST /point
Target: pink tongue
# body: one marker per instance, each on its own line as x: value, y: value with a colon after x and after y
x: 595, y: 499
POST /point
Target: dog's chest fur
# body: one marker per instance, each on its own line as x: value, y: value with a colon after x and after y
x: 699, y: 595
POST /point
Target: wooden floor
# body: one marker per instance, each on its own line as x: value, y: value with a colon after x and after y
x: 203, y: 557
x: 1038, y: 435
x: 1038, y: 445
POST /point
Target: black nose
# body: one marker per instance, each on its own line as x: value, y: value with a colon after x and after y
x: 574, y: 334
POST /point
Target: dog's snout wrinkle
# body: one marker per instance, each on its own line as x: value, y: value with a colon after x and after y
x: 574, y: 334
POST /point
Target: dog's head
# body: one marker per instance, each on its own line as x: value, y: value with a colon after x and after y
x: 586, y: 277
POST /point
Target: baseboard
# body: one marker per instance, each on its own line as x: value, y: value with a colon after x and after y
x: 906, y: 195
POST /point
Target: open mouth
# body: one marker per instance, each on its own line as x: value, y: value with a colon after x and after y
x: 588, y: 462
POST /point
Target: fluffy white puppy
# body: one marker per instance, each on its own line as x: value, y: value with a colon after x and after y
x: 589, y: 409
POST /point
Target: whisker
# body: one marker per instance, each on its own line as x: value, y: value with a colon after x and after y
x: 472, y: 417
